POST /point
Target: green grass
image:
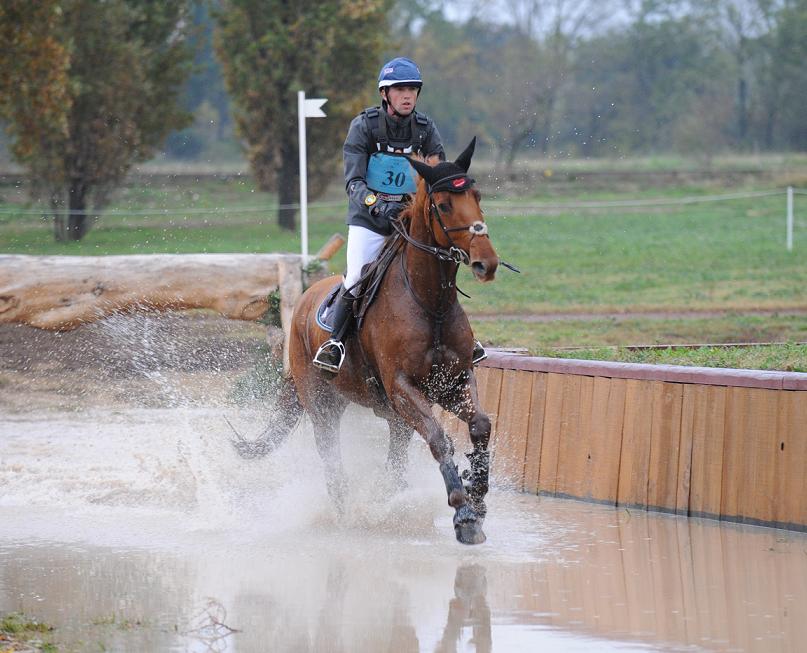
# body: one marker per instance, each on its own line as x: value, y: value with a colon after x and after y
x: 725, y: 256
x: 605, y: 332
x: 786, y: 357
x: 609, y: 339
x: 719, y: 256
x: 18, y: 632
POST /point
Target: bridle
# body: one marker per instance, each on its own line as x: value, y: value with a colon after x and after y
x: 452, y: 252
x: 453, y: 255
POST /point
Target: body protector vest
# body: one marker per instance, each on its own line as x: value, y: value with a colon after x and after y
x: 389, y: 174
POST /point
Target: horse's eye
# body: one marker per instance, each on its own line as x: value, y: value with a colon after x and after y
x: 444, y: 207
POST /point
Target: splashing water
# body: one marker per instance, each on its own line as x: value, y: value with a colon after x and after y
x: 127, y: 518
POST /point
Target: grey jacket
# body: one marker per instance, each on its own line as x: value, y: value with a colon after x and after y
x: 360, y: 143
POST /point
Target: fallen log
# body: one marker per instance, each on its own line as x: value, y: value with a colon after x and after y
x: 64, y: 292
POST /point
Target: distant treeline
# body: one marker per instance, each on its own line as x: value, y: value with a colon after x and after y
x: 611, y: 77
x: 588, y: 78
x: 89, y: 89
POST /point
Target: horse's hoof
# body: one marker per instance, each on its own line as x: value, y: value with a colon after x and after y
x: 469, y: 533
x: 468, y: 527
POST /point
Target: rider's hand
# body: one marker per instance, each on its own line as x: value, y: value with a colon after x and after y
x: 386, y: 210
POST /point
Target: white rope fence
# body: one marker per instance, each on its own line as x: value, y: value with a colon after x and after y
x: 499, y: 207
x: 188, y: 211
x: 497, y: 204
x: 679, y: 201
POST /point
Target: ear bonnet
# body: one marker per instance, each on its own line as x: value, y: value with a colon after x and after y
x: 447, y: 175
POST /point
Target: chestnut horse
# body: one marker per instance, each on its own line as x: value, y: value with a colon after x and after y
x: 413, y: 349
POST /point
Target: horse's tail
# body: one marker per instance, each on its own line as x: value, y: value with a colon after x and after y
x: 289, y: 413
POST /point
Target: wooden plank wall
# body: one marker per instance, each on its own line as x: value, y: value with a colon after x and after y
x: 708, y: 448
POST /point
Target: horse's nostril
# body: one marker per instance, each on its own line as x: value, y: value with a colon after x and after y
x: 478, y: 267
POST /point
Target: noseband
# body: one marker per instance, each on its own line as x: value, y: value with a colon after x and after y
x: 476, y: 228
x: 452, y: 252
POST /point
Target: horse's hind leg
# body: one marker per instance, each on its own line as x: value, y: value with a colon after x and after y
x: 326, y: 436
x: 287, y: 415
x: 464, y: 403
x: 400, y: 434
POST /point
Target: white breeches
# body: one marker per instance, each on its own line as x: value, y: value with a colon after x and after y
x: 363, y: 246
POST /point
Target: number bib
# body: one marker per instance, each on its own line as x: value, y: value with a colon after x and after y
x: 389, y: 173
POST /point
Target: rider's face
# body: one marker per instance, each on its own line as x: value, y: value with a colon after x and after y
x: 402, y: 99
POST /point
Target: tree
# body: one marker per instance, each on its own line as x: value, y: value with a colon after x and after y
x: 33, y: 74
x: 125, y: 64
x: 270, y: 49
x: 781, y: 71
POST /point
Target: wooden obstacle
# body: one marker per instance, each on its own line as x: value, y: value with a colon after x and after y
x: 64, y: 292
x: 718, y: 443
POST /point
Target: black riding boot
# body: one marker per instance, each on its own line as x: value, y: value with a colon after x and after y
x: 331, y: 353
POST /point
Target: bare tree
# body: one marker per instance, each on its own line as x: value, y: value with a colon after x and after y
x: 557, y: 26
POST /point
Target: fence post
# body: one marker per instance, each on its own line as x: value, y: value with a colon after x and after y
x: 790, y: 218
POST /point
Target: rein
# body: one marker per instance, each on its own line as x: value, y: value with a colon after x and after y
x: 452, y: 255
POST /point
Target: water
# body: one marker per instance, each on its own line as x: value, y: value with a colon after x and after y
x: 128, y: 523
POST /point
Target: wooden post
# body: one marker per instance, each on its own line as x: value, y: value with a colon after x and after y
x: 290, y: 281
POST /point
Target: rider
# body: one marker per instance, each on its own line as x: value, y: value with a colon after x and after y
x: 378, y: 179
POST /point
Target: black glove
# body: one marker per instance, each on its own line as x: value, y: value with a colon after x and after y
x: 386, y: 210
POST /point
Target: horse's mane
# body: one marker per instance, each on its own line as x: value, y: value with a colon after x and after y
x: 417, y: 205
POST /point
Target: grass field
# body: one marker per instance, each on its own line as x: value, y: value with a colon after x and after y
x: 727, y: 257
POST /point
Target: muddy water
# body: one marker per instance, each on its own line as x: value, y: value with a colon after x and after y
x: 132, y: 526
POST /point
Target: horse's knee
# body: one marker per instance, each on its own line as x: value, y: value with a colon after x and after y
x: 479, y: 429
x: 440, y: 445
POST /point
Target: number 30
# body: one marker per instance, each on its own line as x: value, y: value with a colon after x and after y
x: 398, y: 179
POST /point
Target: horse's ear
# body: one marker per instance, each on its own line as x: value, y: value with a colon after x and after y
x: 423, y: 169
x: 464, y: 159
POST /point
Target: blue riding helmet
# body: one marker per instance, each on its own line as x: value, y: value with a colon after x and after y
x: 399, y: 72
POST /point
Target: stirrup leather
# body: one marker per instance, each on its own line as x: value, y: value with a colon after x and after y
x: 478, y: 354
x: 326, y: 356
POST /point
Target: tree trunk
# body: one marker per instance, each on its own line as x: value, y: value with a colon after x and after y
x: 59, y: 227
x: 742, y: 111
x: 77, y: 216
x: 59, y: 219
x: 548, y: 120
x: 770, y: 121
x: 288, y: 181
x: 64, y: 292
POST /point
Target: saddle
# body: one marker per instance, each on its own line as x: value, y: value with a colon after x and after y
x: 365, y: 289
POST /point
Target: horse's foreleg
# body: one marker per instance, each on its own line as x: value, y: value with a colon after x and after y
x: 465, y: 405
x: 400, y: 434
x: 410, y: 403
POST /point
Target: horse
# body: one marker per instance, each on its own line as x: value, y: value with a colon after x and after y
x: 412, y: 351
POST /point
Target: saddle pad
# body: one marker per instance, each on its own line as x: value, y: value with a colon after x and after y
x: 324, y: 316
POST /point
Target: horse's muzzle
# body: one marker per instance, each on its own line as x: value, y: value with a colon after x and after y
x: 484, y: 269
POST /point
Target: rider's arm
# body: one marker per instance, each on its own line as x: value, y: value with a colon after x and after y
x: 355, y: 157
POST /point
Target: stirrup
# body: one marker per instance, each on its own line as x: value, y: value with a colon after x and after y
x: 326, y: 356
x: 478, y: 354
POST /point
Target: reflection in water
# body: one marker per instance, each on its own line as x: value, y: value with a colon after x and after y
x: 210, y: 628
x: 594, y: 579
x: 142, y: 531
x: 468, y: 609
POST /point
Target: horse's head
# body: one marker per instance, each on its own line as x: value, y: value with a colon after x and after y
x: 449, y: 204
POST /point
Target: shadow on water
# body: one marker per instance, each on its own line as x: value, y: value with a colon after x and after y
x: 133, y: 526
